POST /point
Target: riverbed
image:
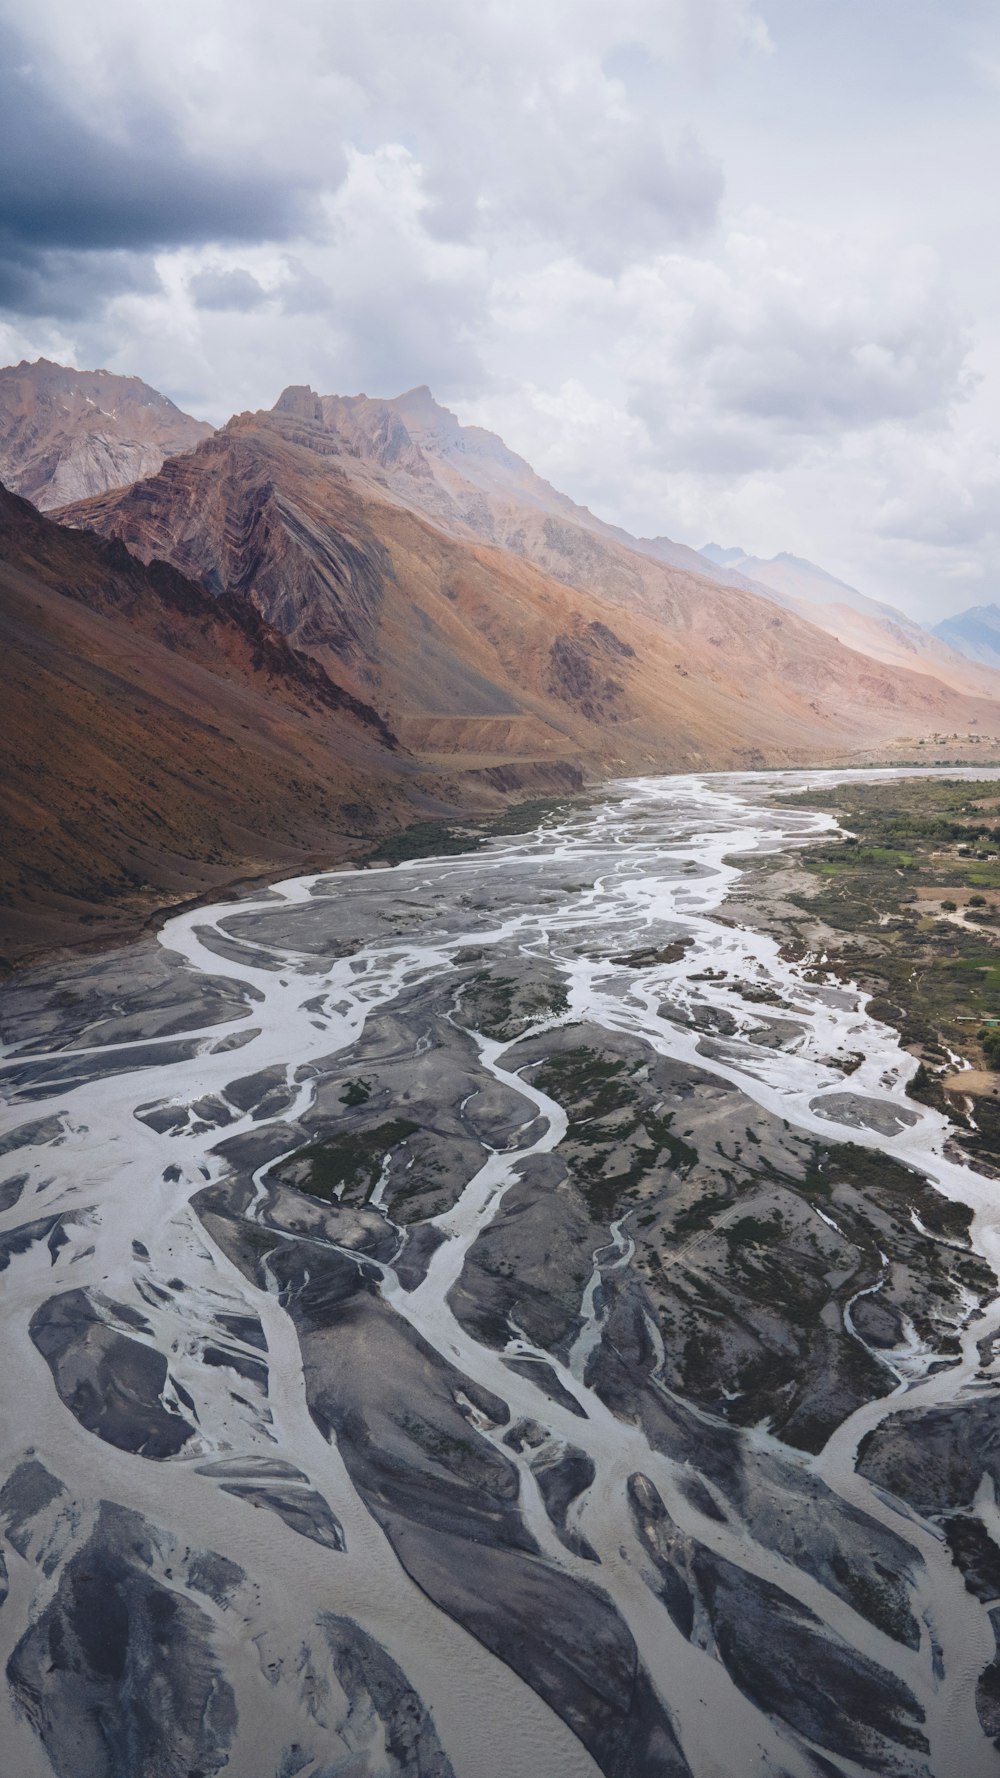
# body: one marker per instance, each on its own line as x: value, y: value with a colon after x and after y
x: 387, y: 1388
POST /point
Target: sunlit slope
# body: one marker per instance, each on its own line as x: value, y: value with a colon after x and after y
x: 554, y: 642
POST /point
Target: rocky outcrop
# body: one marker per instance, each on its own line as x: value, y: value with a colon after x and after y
x: 259, y: 514
x: 300, y: 402
x: 579, y: 672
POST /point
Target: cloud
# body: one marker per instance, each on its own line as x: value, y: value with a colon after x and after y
x: 80, y: 203
x: 947, y: 497
x: 569, y: 162
x: 717, y: 267
x: 68, y: 286
x: 374, y: 303
x: 778, y: 342
x: 788, y: 336
x: 220, y: 288
x: 129, y: 132
x: 789, y: 389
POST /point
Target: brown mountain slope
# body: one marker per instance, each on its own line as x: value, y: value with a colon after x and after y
x: 902, y: 644
x: 155, y: 742
x: 467, y: 481
x: 590, y: 650
x: 66, y: 434
x: 867, y: 625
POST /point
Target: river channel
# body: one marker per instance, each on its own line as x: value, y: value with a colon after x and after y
x: 368, y: 1246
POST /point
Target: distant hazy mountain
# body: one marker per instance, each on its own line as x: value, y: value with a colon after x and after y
x: 67, y: 434
x: 869, y: 625
x: 974, y: 633
x: 725, y: 558
x: 803, y: 582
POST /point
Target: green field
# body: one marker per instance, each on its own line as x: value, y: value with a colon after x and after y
x: 913, y: 897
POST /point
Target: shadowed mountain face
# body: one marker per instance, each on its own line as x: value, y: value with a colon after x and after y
x: 435, y: 576
x: 974, y: 633
x: 66, y: 434
x: 157, y: 741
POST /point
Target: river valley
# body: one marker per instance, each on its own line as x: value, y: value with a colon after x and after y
x: 494, y: 1316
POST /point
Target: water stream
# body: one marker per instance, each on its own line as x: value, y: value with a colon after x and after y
x: 324, y: 969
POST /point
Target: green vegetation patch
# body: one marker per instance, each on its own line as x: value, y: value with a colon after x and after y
x: 651, y: 957
x: 348, y: 1164
x: 500, y: 1006
x: 750, y: 1297
x: 884, y: 1181
x: 936, y: 980
x: 768, y: 1266
x: 606, y: 1117
x: 880, y: 1597
x: 356, y: 1092
x: 446, y: 839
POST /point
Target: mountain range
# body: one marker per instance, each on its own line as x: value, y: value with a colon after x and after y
x: 333, y: 615
x: 868, y: 625
x: 974, y: 633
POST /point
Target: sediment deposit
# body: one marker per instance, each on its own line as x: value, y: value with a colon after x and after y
x: 493, y: 1315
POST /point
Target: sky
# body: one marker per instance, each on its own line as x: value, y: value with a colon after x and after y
x: 724, y: 270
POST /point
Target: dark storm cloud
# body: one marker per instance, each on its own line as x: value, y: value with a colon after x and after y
x: 72, y: 197
x: 68, y: 286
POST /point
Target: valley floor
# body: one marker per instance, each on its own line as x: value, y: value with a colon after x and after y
x: 506, y: 1313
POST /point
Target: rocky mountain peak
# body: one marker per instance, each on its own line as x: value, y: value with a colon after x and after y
x: 419, y: 406
x: 67, y: 434
x: 300, y: 402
